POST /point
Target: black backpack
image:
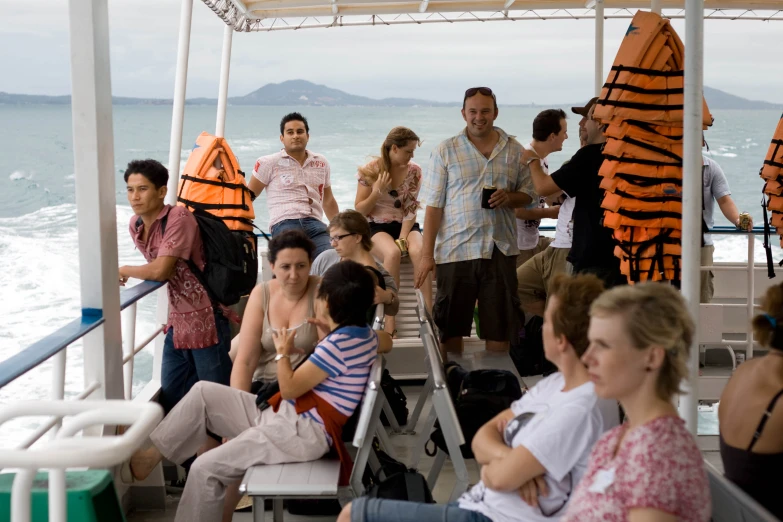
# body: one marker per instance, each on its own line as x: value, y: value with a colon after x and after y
x: 478, y: 396
x: 231, y: 268
x: 528, y: 352
x: 395, y: 481
x: 396, y: 399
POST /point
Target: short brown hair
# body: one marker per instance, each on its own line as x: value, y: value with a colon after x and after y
x: 765, y: 326
x: 655, y: 315
x: 571, y: 318
x: 353, y: 222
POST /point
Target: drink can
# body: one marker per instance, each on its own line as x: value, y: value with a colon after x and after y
x: 402, y: 244
x: 486, y: 193
x: 744, y: 221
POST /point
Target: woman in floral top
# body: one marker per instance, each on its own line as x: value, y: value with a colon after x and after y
x: 387, y: 195
x: 648, y: 469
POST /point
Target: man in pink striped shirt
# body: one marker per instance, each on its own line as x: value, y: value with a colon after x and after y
x: 298, y: 184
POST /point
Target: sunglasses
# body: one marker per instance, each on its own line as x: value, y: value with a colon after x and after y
x: 335, y: 239
x: 486, y: 91
x: 395, y: 194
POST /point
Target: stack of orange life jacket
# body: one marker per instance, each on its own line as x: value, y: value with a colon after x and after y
x: 641, y: 106
x: 772, y: 172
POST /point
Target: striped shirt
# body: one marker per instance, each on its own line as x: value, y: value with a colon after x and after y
x: 293, y: 191
x: 456, y: 174
x: 346, y: 355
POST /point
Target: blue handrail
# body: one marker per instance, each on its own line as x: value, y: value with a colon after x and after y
x: 35, y: 354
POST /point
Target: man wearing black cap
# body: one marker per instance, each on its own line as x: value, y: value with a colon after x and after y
x: 592, y: 250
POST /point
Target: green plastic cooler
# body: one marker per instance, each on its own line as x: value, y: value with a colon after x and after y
x: 91, y: 497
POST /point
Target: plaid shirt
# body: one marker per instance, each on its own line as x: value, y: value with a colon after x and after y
x: 456, y: 173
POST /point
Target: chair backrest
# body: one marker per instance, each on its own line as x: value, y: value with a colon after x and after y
x: 730, y: 503
x: 369, y: 417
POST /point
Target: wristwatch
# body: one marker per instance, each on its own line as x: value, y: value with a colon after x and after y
x: 281, y: 355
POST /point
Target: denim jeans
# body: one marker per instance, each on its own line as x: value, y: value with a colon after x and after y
x: 182, y: 368
x: 315, y: 229
x: 366, y: 509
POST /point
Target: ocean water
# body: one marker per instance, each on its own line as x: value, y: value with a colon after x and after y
x: 39, y: 273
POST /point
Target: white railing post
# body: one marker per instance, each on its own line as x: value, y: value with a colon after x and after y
x: 655, y: 6
x: 692, y: 188
x: 175, y: 153
x: 751, y: 292
x: 58, y: 509
x: 93, y: 149
x: 599, y: 46
x: 128, y: 347
x: 58, y: 383
x: 225, y: 67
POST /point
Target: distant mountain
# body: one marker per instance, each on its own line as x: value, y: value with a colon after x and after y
x: 717, y: 99
x: 304, y: 93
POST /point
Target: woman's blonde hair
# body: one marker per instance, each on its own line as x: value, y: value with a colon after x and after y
x: 353, y: 222
x: 399, y: 136
x: 765, y: 326
x: 655, y: 314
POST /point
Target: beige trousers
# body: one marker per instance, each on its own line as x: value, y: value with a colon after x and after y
x: 525, y: 255
x: 707, y: 285
x: 256, y: 438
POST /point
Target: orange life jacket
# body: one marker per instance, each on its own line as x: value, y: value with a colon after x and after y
x: 212, y: 181
x: 772, y: 172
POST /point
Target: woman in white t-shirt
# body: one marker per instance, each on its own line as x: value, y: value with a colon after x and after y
x: 533, y: 454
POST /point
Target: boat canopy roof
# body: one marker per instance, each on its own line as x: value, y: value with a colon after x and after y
x: 275, y: 15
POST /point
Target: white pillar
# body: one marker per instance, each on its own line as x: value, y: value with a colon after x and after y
x: 93, y: 150
x: 692, y: 188
x: 175, y: 151
x: 599, y: 46
x: 655, y: 6
x: 225, y: 66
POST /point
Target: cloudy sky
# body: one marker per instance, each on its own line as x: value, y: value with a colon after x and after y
x: 536, y: 61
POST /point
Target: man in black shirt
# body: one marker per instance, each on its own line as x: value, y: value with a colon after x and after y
x: 592, y: 250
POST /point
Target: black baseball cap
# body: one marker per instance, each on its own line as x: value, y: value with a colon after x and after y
x: 582, y: 111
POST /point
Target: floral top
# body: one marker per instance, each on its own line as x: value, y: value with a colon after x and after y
x: 407, y: 193
x: 658, y: 466
x: 190, y: 310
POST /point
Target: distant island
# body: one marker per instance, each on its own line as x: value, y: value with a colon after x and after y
x: 304, y: 93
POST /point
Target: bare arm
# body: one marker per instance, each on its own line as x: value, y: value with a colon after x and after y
x: 255, y: 186
x: 294, y: 384
x: 537, y: 213
x: 488, y: 442
x: 249, y: 351
x: 650, y: 515
x: 432, y: 219
x: 407, y: 226
x: 729, y: 209
x: 366, y: 197
x: 512, y: 471
x: 542, y: 182
x: 160, y: 269
x: 330, y: 204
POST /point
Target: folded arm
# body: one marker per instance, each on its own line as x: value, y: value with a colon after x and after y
x: 160, y: 269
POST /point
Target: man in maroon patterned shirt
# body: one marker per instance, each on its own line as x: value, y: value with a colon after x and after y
x: 198, y: 338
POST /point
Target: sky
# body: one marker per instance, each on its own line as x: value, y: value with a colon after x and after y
x: 543, y: 62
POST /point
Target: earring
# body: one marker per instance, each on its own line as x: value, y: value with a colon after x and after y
x: 648, y: 369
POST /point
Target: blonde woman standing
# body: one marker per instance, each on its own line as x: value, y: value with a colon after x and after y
x: 387, y: 192
x: 649, y: 469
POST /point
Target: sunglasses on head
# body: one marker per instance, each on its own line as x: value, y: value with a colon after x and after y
x: 486, y: 91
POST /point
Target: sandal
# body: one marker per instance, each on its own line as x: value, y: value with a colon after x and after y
x: 394, y: 334
x: 126, y: 473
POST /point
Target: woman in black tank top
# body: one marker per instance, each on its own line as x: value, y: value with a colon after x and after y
x: 751, y: 422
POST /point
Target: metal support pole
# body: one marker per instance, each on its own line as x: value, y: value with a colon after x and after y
x: 692, y: 188
x: 58, y: 384
x: 175, y: 152
x: 599, y: 46
x: 93, y: 150
x: 58, y: 509
x: 655, y: 6
x: 128, y: 346
x: 225, y: 66
x: 751, y: 293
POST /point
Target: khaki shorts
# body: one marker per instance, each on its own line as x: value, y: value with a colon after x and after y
x: 525, y: 255
x: 533, y: 277
x: 707, y: 285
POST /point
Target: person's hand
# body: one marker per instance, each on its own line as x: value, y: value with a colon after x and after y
x: 426, y: 265
x: 284, y: 340
x: 527, y: 155
x: 532, y: 489
x: 123, y: 278
x: 750, y: 224
x: 499, y: 198
x: 320, y: 325
x: 501, y: 426
x: 382, y: 296
x: 552, y: 212
x: 382, y: 183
